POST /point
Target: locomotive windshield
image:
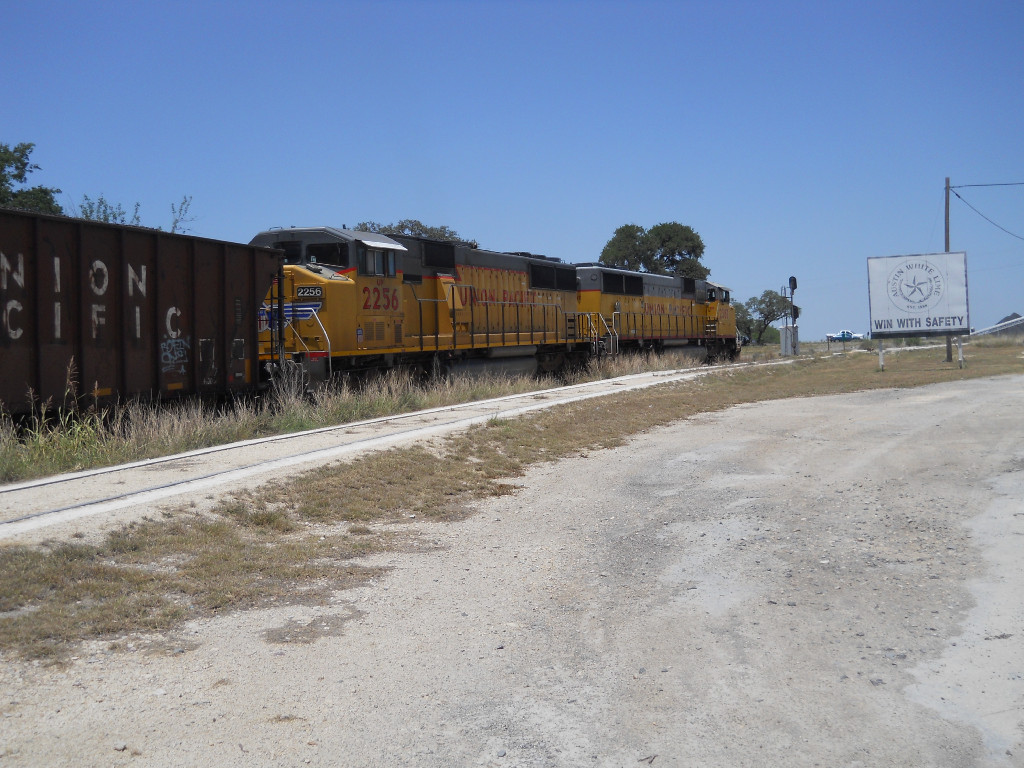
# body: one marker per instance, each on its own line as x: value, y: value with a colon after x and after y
x: 292, y: 251
x: 333, y: 254
x: 718, y: 293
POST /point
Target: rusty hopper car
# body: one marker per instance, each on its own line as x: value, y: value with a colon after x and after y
x: 103, y: 311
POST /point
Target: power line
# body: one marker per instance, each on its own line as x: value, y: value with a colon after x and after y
x: 1006, y: 184
x: 986, y: 218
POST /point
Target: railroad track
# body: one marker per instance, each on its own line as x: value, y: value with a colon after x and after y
x: 36, y: 504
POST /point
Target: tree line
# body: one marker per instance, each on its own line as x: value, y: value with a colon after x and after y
x: 16, y: 165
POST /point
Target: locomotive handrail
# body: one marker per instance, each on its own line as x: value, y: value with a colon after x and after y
x: 298, y: 337
x: 420, y: 301
x: 594, y: 334
x: 474, y: 301
x: 279, y: 285
x: 591, y: 330
x: 283, y: 323
x: 327, y: 338
x: 613, y: 336
x: 288, y: 324
x: 437, y: 321
x: 644, y: 325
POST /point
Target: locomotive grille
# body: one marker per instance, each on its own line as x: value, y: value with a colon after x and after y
x: 398, y: 334
x: 376, y: 331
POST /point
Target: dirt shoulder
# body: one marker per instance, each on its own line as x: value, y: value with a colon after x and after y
x: 824, y: 581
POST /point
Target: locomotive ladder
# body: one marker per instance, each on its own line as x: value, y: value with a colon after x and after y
x: 593, y: 327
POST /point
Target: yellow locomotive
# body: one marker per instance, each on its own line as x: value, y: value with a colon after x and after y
x: 648, y: 311
x: 353, y: 301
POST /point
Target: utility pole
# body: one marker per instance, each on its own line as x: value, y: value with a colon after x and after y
x: 949, y: 336
x: 947, y: 214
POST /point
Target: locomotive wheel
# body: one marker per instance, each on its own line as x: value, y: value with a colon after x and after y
x: 440, y: 368
x: 550, y: 362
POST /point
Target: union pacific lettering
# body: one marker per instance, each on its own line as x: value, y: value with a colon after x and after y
x: 519, y: 297
x: 487, y: 294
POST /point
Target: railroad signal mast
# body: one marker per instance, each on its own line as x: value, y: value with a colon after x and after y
x: 794, y: 310
x: 790, y: 335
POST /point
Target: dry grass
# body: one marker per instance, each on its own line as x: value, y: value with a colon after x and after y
x: 54, y: 443
x: 298, y: 541
x: 59, y: 442
x: 985, y: 342
x: 153, y: 575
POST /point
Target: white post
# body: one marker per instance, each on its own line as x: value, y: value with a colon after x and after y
x: 881, y: 356
x: 960, y: 350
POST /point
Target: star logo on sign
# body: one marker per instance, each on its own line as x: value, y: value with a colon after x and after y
x: 917, y: 286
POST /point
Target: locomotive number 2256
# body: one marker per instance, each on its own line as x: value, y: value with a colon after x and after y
x: 380, y: 298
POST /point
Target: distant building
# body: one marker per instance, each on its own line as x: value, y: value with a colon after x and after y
x: 1011, y: 325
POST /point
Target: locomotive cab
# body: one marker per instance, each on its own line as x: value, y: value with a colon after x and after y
x: 718, y: 293
x: 339, y: 299
x: 721, y: 321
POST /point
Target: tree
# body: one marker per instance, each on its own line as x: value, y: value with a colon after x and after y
x: 100, y: 210
x: 179, y: 215
x: 14, y: 169
x: 669, y: 248
x: 744, y: 320
x: 628, y: 249
x: 677, y: 250
x: 770, y: 307
x: 415, y: 228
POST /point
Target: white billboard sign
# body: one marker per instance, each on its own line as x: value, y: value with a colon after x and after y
x: 922, y: 295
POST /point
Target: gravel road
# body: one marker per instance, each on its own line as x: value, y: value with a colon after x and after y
x: 828, y: 581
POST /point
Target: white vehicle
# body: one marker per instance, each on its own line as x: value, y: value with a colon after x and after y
x: 844, y: 336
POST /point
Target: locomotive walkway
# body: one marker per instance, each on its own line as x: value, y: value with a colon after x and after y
x: 29, y: 510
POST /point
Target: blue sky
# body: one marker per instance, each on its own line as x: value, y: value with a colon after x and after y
x: 798, y: 138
